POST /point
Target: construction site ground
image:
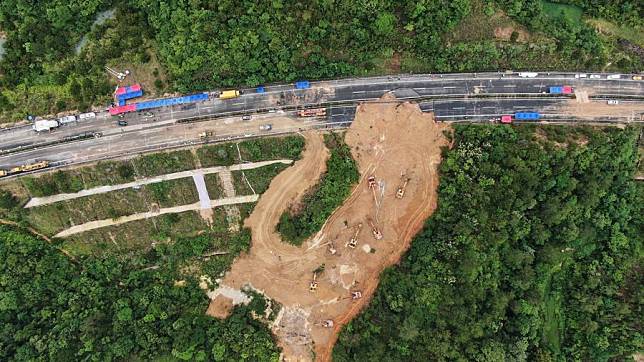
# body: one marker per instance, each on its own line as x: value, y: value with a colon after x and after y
x: 388, y: 140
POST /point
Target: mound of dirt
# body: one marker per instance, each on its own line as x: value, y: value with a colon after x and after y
x: 393, y: 142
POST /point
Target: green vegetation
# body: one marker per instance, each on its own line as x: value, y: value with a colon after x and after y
x: 260, y: 149
x: 109, y: 308
x: 317, y: 205
x: 259, y: 178
x: 196, y: 45
x: 162, y: 163
x: 534, y: 253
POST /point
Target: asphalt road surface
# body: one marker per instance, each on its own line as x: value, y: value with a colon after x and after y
x: 452, y: 97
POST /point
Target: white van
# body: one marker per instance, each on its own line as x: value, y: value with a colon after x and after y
x: 581, y: 75
x: 87, y: 115
x: 614, y: 76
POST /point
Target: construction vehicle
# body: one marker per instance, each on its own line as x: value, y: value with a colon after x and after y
x: 400, y: 193
x: 34, y: 166
x: 374, y: 230
x: 354, y: 239
x: 371, y: 182
x: 313, y: 285
x: 356, y: 295
x: 3, y: 173
x: 312, y: 112
x: 120, y: 76
x: 206, y: 134
x: 228, y: 94
x: 327, y: 323
x: 332, y: 248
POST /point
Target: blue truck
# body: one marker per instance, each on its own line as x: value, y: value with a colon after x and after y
x: 527, y: 116
x: 302, y: 84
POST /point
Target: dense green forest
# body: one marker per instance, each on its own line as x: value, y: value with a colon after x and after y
x: 307, y: 218
x: 55, y: 51
x: 110, y: 308
x: 534, y: 253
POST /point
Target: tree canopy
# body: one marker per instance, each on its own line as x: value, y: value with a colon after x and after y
x: 534, y: 253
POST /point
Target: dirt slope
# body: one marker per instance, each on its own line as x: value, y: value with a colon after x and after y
x: 386, y: 140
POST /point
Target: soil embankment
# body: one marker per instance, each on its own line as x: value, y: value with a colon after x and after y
x: 392, y: 142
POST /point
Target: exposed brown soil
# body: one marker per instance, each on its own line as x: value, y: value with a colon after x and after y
x: 592, y: 109
x: 505, y: 33
x: 387, y: 140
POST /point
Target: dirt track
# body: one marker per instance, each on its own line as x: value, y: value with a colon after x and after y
x: 386, y: 140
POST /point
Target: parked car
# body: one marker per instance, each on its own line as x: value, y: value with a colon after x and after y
x: 247, y: 117
x: 148, y: 114
x: 266, y: 127
x: 613, y: 102
x: 122, y: 123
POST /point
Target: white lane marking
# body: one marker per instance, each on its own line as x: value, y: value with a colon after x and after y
x: 450, y: 87
x: 509, y: 86
x: 356, y: 92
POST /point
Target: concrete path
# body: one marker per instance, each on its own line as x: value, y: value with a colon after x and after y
x: 144, y: 215
x: 200, y: 183
x: 40, y: 201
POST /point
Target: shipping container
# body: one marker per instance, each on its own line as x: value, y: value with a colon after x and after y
x: 129, y: 95
x: 527, y: 116
x: 302, y: 84
x: 128, y: 89
x: 123, y: 109
x: 158, y: 103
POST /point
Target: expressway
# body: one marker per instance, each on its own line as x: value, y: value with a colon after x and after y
x: 452, y: 97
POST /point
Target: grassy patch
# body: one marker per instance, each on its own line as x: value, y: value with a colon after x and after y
x: 53, y: 218
x: 260, y: 149
x: 165, y: 162
x: 553, y: 322
x: 137, y: 235
x: 481, y: 24
x: 214, y: 186
x: 554, y: 10
x: 259, y: 178
x: 629, y: 33
x: 74, y: 180
x: 304, y: 220
x: 173, y: 192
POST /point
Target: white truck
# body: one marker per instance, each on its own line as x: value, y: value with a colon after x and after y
x: 528, y: 74
x: 614, y: 76
x: 45, y: 125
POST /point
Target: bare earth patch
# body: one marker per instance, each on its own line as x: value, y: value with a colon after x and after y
x: 505, y: 33
x: 388, y: 140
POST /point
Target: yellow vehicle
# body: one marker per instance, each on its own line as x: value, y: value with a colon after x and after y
x: 637, y: 77
x: 34, y: 166
x: 16, y: 169
x: 229, y: 94
x: 3, y: 173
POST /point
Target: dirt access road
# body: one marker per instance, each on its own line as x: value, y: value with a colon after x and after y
x: 387, y: 140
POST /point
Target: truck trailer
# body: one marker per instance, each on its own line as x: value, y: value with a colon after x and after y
x: 312, y: 112
x: 45, y: 125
